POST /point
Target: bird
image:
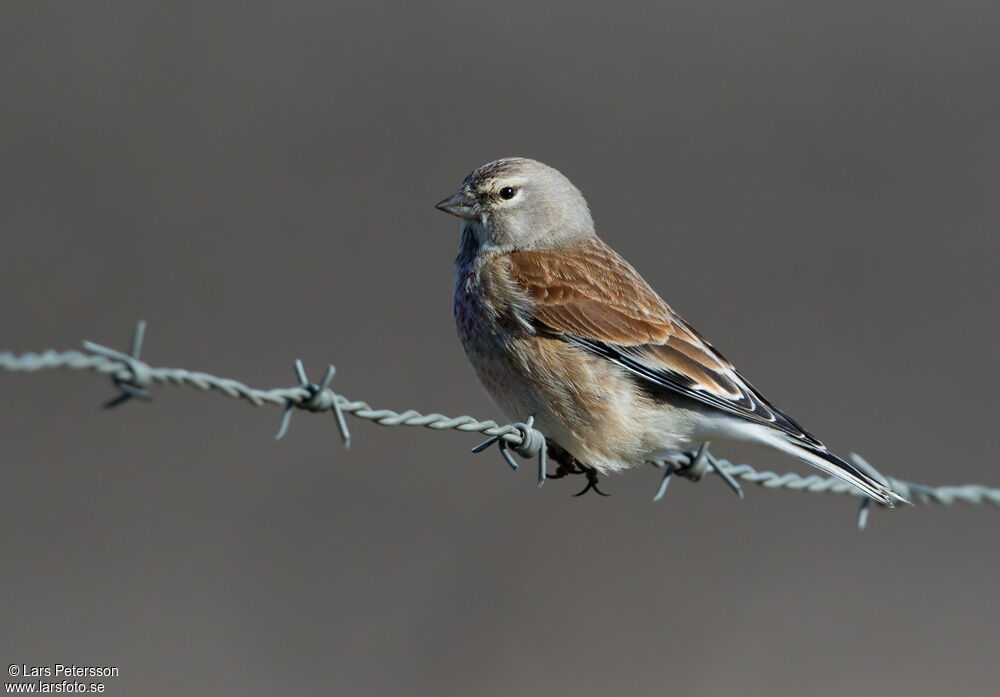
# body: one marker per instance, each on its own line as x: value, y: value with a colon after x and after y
x: 559, y: 326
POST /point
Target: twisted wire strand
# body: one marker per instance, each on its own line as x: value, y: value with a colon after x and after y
x: 281, y: 396
x: 132, y: 375
x: 816, y: 484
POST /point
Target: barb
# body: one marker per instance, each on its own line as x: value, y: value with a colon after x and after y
x: 132, y: 377
x: 532, y: 444
x: 133, y: 384
x: 322, y: 399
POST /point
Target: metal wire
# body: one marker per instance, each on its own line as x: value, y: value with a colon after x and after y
x: 132, y: 377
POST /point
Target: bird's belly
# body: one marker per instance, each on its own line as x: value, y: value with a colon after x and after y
x: 585, y: 404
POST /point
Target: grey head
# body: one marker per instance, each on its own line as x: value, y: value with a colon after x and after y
x: 516, y: 203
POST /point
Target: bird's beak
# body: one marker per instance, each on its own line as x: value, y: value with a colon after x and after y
x: 459, y: 204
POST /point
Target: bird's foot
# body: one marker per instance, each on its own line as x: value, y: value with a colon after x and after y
x: 567, y: 465
x: 591, y: 483
x: 562, y: 471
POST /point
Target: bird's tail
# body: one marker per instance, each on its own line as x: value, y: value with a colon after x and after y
x: 818, y: 456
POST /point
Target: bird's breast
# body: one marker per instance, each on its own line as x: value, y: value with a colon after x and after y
x: 469, y: 309
x: 482, y: 305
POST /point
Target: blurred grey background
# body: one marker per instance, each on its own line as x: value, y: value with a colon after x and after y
x: 814, y: 186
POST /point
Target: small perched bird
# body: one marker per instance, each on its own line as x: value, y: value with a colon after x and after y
x: 558, y: 325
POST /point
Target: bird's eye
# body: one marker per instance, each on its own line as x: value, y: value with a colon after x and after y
x: 507, y: 193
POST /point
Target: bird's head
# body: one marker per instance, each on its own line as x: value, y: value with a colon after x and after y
x: 516, y: 203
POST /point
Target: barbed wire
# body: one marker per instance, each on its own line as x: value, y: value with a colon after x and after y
x: 132, y: 378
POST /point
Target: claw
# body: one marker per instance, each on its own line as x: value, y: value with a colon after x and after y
x: 591, y: 484
x: 567, y: 465
x: 564, y: 470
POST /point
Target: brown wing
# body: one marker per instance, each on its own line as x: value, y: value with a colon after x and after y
x: 590, y: 296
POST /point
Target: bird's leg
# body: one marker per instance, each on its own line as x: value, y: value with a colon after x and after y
x: 567, y: 465
x: 591, y: 481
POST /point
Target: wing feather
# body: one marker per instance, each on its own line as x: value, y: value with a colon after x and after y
x: 591, y: 297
